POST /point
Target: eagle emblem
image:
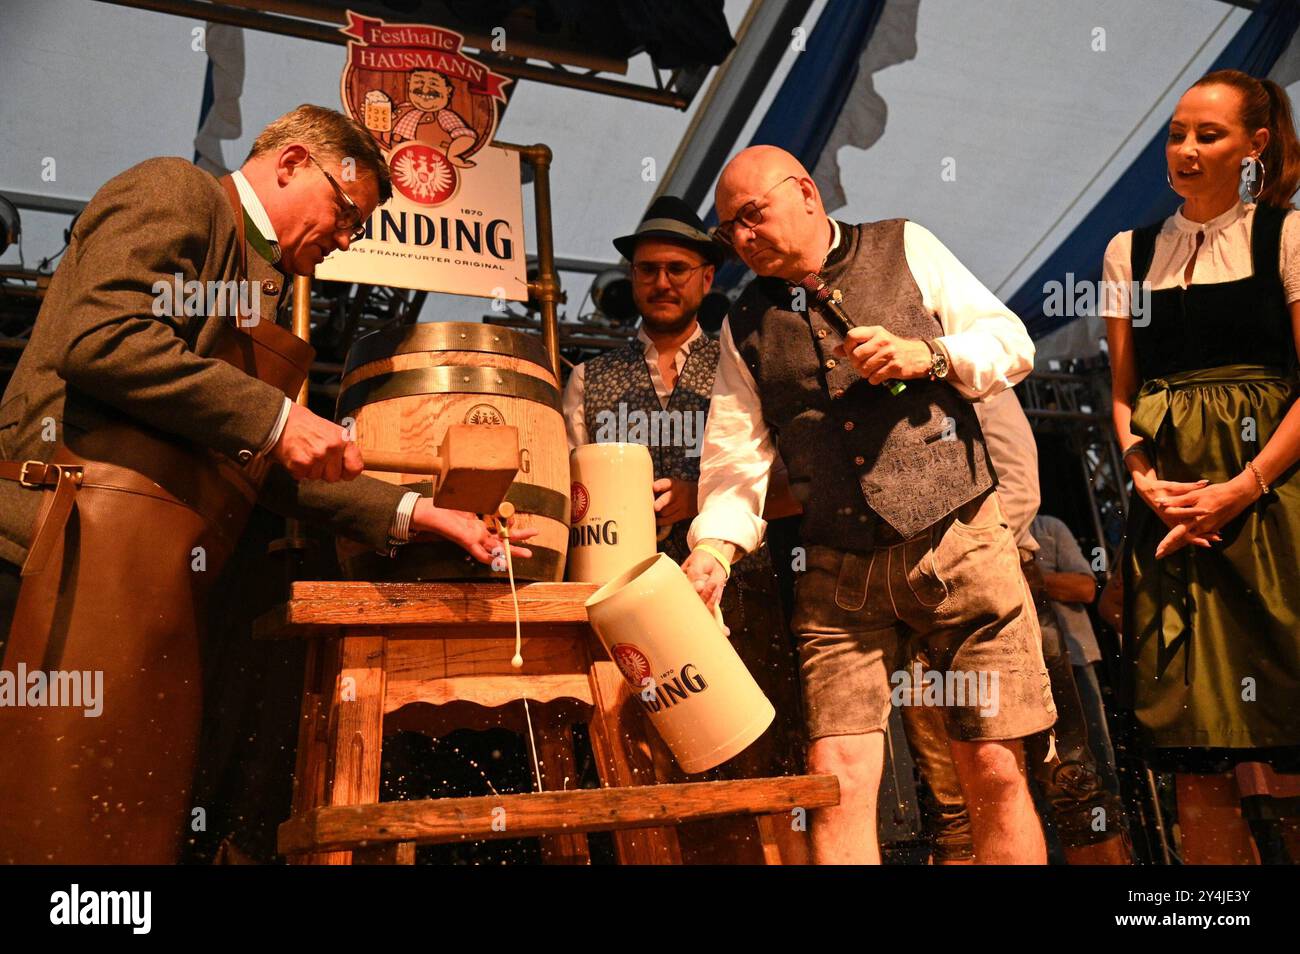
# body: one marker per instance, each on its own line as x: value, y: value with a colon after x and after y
x: 423, y: 174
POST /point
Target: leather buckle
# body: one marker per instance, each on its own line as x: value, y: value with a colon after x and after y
x: 73, y: 471
x: 29, y: 482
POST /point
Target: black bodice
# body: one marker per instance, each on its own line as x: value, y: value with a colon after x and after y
x: 1210, y: 325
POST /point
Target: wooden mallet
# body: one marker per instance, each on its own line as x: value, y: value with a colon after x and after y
x: 472, y: 470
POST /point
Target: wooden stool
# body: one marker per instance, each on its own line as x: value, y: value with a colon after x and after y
x: 435, y: 657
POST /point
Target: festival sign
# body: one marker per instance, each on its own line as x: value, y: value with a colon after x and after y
x: 455, y: 222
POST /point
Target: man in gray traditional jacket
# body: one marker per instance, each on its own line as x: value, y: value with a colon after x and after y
x: 123, y: 415
x: 912, y: 592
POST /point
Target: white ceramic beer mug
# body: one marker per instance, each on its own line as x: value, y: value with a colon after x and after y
x: 613, y: 501
x: 701, y: 699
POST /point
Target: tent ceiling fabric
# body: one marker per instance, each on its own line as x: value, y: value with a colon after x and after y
x: 1003, y: 130
x: 863, y: 120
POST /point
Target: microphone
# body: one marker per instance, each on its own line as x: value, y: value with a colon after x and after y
x: 830, y: 301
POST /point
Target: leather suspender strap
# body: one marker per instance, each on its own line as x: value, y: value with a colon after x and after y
x: 65, y: 479
x: 30, y: 473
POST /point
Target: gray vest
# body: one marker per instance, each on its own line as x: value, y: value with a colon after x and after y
x: 858, y: 455
x: 617, y: 387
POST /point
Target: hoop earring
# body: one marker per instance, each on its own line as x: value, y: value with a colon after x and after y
x: 1258, y: 192
x: 1167, y: 179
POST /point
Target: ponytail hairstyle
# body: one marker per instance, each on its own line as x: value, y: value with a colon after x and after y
x: 1265, y: 105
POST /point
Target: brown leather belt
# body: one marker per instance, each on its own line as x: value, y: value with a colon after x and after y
x: 37, y: 475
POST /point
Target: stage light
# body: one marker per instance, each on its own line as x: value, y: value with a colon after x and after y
x: 612, y: 294
x: 10, y: 224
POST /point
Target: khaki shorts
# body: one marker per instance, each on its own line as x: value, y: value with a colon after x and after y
x: 942, y: 619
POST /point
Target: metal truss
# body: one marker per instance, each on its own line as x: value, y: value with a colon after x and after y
x: 1075, y: 405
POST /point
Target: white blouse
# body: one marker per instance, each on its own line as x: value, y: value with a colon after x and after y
x: 1224, y: 256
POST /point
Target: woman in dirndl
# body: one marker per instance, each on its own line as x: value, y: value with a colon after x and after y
x: 1203, y: 346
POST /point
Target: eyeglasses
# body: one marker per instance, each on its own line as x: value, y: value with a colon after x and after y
x: 678, y: 272
x: 355, y: 224
x: 750, y: 216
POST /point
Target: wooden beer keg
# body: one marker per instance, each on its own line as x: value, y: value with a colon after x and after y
x: 403, y: 386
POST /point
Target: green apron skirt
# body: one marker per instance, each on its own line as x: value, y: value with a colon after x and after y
x: 1212, y: 637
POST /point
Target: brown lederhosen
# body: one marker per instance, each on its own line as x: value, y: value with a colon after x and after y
x: 115, y: 582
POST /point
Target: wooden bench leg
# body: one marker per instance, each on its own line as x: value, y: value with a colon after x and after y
x: 767, y: 835
x: 782, y: 843
x: 357, y: 723
x: 614, y: 722
x: 313, y: 739
x: 340, y: 737
x: 400, y: 853
x: 555, y: 753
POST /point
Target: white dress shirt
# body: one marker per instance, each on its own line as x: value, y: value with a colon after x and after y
x: 988, y: 348
x: 257, y: 213
x: 1224, y: 256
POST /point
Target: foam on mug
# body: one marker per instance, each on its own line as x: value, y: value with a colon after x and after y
x: 378, y: 111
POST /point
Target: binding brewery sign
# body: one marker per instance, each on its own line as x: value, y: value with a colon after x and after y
x: 455, y: 221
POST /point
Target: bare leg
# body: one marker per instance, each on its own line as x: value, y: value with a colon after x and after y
x: 1209, y: 818
x: 846, y: 833
x: 1004, y: 825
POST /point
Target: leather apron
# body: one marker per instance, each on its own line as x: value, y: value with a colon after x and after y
x: 134, y: 530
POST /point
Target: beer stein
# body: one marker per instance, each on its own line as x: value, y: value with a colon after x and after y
x: 699, y: 696
x: 613, y: 516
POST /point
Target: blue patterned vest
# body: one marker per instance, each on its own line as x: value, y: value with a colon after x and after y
x: 620, y: 404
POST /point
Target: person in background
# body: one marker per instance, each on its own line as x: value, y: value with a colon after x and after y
x: 1069, y: 582
x: 1084, y: 802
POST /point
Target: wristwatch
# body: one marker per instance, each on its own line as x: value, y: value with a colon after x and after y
x: 938, y: 361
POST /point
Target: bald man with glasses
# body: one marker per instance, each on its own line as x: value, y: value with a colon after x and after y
x: 911, y: 573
